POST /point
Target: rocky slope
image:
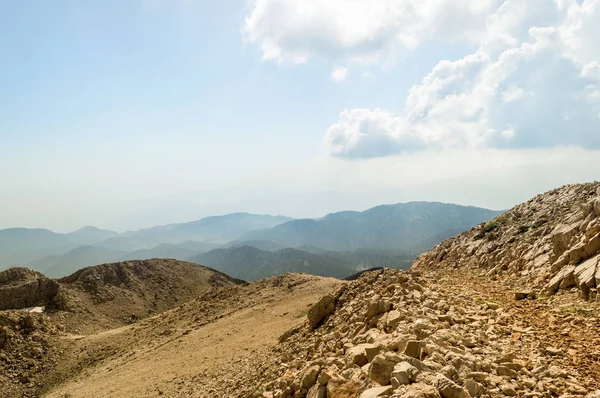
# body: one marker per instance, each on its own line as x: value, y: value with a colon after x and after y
x: 548, y: 243
x: 427, y: 335
x: 457, y: 325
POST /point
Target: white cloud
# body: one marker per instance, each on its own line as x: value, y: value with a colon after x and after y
x: 533, y: 80
x: 532, y: 83
x: 512, y: 93
x: 364, y: 30
x: 339, y: 74
x: 508, y: 133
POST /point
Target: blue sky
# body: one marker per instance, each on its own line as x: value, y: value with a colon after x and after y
x: 129, y: 114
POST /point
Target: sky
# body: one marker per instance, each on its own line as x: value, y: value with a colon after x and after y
x: 126, y: 115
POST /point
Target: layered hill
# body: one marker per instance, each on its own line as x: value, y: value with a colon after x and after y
x: 21, y: 245
x: 219, y: 229
x: 124, y: 292
x: 44, y: 249
x: 403, y: 226
x: 250, y: 263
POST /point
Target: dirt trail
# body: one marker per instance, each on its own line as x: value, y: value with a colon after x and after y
x: 168, y: 355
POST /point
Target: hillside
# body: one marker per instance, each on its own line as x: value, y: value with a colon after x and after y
x: 110, y: 295
x: 552, y: 241
x: 402, y: 226
x: 250, y: 263
x: 436, y: 334
x: 203, y: 335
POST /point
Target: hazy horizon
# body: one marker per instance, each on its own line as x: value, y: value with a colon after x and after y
x: 126, y: 116
x: 318, y: 216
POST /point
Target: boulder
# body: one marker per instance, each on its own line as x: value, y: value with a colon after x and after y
x: 403, y: 373
x: 381, y: 369
x: 321, y: 310
x: 372, y: 350
x: 341, y: 388
x: 393, y: 320
x: 309, y: 377
x: 585, y: 275
x: 317, y: 391
x: 383, y: 391
x: 592, y: 246
x: 324, y: 307
x: 421, y: 390
x: 523, y: 294
x: 473, y: 388
x: 561, y: 237
x: 562, y: 280
x: 449, y: 389
x: 413, y: 348
x: 357, y: 355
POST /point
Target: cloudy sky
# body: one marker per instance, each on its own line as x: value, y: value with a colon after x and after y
x: 131, y: 114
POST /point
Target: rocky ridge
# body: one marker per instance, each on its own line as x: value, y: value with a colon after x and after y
x: 417, y: 335
x: 548, y: 243
x: 22, y: 288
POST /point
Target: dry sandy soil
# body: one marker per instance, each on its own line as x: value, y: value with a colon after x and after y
x: 185, y: 350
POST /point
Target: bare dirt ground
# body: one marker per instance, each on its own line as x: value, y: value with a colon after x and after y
x: 188, y: 350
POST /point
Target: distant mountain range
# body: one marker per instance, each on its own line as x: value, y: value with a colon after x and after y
x: 250, y: 246
x: 403, y: 226
x: 21, y: 246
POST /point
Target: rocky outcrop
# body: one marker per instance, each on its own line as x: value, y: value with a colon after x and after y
x: 404, y: 334
x: 549, y: 243
x: 324, y: 307
x: 22, y: 288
